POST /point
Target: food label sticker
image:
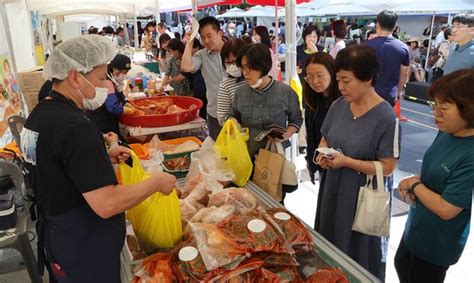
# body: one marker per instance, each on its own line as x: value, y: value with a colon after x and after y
x: 256, y: 225
x: 188, y: 253
x: 282, y: 216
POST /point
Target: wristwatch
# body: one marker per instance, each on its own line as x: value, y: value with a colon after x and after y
x: 411, y: 190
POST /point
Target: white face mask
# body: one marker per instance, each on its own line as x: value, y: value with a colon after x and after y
x: 96, y: 102
x: 257, y: 84
x: 234, y: 71
x: 118, y: 81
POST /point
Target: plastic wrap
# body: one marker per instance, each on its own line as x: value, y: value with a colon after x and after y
x: 155, y: 269
x: 328, y: 275
x: 189, y: 208
x: 243, y: 200
x: 294, y: 231
x: 211, y: 215
x: 208, y: 162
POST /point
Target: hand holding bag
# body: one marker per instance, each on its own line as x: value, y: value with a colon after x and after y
x: 372, y: 215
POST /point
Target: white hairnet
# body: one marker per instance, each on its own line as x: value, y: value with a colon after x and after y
x: 82, y: 53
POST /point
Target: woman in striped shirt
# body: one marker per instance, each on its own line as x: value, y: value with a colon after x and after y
x: 225, y: 94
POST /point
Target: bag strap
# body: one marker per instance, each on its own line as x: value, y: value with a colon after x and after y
x: 379, y: 176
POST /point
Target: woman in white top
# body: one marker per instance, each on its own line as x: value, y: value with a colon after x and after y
x: 338, y: 31
x: 260, y: 35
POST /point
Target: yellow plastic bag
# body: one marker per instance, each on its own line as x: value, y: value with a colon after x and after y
x: 231, y: 145
x: 156, y: 220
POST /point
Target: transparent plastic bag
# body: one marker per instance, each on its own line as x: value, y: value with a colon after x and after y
x: 155, y: 268
x: 242, y: 199
x: 208, y: 162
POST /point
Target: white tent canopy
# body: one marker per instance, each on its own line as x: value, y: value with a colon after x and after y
x: 261, y: 11
x: 232, y: 13
x: 430, y: 6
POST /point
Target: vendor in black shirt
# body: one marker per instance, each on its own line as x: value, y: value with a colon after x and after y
x: 81, y: 226
x: 106, y: 117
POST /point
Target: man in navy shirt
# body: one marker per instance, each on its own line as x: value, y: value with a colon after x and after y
x: 393, y: 58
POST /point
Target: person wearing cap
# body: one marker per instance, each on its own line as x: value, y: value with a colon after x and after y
x: 106, y: 116
x: 415, y: 66
x: 81, y: 224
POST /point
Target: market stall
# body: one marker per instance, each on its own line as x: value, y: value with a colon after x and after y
x: 326, y: 254
x: 228, y: 232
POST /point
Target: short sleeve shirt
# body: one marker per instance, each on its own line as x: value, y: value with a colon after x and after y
x: 391, y: 54
x: 460, y: 57
x: 213, y: 72
x: 67, y: 157
x: 448, y: 170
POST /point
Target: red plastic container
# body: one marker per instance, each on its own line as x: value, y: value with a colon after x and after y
x: 151, y: 121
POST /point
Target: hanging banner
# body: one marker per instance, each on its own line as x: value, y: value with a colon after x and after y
x: 9, y: 88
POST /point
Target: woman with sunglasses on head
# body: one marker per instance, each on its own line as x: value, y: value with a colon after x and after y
x: 438, y: 222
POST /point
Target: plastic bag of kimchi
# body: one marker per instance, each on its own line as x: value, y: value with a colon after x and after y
x: 155, y: 269
x: 189, y: 208
x: 328, y: 275
x: 293, y: 229
x: 216, y: 248
x: 211, y: 215
x: 188, y: 265
x: 242, y: 199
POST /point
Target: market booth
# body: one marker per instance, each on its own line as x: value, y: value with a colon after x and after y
x: 240, y: 232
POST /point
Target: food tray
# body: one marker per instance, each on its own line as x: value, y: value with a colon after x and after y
x: 177, y: 142
x: 165, y: 120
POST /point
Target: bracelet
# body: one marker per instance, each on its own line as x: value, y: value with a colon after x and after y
x: 411, y: 190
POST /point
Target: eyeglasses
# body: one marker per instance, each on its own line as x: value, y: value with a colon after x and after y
x: 245, y: 68
x: 437, y: 107
x: 459, y: 26
x: 311, y: 78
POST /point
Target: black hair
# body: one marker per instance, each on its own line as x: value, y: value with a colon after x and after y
x: 258, y: 58
x: 176, y: 44
x: 119, y: 30
x: 197, y: 44
x: 262, y: 31
x: 465, y: 19
x: 162, y: 39
x: 231, y: 46
x: 361, y: 60
x: 387, y: 20
x: 310, y: 95
x: 447, y: 33
x: 308, y: 30
x: 209, y: 21
x: 108, y: 30
x: 339, y: 28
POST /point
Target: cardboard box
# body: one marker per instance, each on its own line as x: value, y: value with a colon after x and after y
x: 31, y: 80
x: 31, y: 99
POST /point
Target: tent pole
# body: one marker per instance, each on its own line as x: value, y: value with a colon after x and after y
x: 290, y: 58
x: 429, y: 42
x: 135, y: 27
x: 194, y: 7
x: 157, y: 13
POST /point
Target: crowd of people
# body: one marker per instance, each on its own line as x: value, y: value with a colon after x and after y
x: 349, y: 89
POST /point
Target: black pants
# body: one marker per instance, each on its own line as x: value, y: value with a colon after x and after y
x: 213, y: 126
x: 411, y: 269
